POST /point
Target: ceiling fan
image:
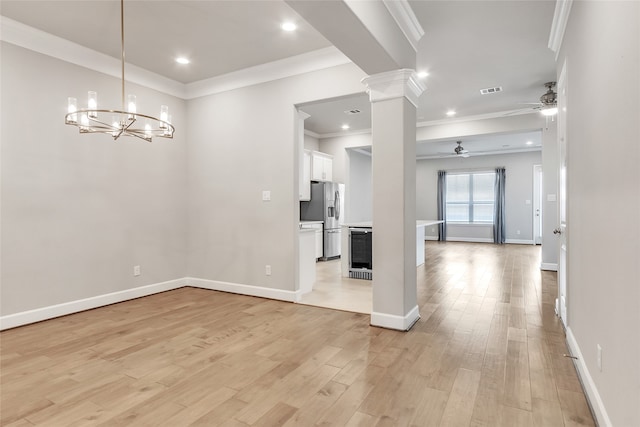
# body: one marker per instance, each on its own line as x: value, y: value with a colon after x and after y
x: 548, y: 104
x: 460, y: 151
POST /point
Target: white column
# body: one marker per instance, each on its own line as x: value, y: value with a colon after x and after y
x: 394, y: 96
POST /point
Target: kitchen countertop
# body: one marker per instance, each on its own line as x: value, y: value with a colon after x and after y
x: 369, y: 224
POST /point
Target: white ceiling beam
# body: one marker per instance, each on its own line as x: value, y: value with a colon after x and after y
x: 365, y: 31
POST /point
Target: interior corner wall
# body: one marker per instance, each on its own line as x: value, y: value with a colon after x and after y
x: 241, y: 143
x: 603, y: 231
x: 78, y: 212
x: 311, y: 143
x: 518, y: 189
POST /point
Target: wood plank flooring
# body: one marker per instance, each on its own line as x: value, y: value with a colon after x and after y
x: 486, y: 352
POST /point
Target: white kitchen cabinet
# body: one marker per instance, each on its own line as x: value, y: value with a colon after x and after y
x: 321, y: 166
x: 305, y: 184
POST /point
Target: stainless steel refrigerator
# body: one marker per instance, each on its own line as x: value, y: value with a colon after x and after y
x: 326, y: 204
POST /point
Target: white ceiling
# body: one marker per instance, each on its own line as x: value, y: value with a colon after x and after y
x: 218, y: 36
x: 467, y: 46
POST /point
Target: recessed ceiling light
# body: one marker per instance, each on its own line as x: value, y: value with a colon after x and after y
x: 182, y: 60
x: 345, y: 127
x: 529, y: 142
x: 423, y: 75
x: 289, y: 26
x: 451, y: 113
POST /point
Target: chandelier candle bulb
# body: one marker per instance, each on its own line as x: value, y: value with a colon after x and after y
x: 131, y: 108
x: 72, y: 108
x: 164, y: 116
x: 92, y: 104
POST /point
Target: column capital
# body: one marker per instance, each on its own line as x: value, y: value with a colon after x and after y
x: 302, y: 115
x: 394, y: 84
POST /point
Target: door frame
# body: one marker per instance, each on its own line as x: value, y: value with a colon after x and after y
x: 537, y: 204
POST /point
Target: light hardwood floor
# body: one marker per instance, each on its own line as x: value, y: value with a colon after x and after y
x: 488, y: 351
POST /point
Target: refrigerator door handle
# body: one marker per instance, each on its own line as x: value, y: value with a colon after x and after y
x: 337, y: 203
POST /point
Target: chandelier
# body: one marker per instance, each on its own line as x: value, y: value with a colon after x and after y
x: 124, y: 122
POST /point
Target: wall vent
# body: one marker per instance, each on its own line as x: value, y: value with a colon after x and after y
x: 352, y: 111
x: 491, y: 90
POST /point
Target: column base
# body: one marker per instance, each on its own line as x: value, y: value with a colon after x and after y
x: 398, y: 323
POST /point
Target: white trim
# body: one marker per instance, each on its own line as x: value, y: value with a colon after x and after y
x: 482, y: 153
x: 549, y: 266
x: 588, y: 385
x: 402, y: 13
x: 22, y: 35
x: 519, y: 241
x: 311, y: 133
x: 470, y: 239
x: 391, y: 321
x: 50, y: 312
x: 559, y: 25
x: 431, y: 238
x: 342, y: 134
x: 462, y: 119
x: 394, y: 84
x: 249, y: 290
x: 287, y: 67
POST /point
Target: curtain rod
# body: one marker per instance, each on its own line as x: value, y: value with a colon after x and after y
x: 488, y: 168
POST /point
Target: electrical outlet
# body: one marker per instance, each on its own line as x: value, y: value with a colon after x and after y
x: 266, y: 195
x: 267, y: 270
x: 599, y: 357
x: 136, y: 270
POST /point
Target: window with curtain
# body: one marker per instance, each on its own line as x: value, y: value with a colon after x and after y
x: 470, y: 197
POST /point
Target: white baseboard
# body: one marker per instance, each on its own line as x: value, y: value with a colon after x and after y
x: 470, y: 239
x: 597, y: 406
x: 45, y: 313
x: 519, y: 242
x: 549, y: 266
x: 237, y: 288
x: 400, y: 323
x: 430, y: 237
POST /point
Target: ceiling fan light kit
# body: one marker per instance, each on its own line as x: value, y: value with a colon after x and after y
x: 460, y: 151
x: 116, y: 123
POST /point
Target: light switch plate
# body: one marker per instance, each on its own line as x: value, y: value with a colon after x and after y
x: 266, y: 195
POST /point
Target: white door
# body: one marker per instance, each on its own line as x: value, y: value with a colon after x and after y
x: 537, y: 204
x: 561, y: 231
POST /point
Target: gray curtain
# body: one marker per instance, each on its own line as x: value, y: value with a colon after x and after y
x: 442, y: 205
x: 498, y: 209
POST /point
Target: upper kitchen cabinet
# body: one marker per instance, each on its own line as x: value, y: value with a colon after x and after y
x: 321, y: 166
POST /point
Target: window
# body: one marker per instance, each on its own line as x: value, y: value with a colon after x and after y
x: 470, y: 197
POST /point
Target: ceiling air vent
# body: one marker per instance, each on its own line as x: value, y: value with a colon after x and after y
x: 491, y: 90
x: 352, y: 111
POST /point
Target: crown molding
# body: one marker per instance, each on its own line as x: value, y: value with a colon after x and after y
x: 394, y: 84
x: 496, y: 115
x: 294, y: 65
x: 559, y: 25
x: 22, y: 35
x: 312, y: 134
x: 402, y: 13
x: 344, y: 133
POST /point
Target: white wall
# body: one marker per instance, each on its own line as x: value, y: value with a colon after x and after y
x: 311, y: 143
x: 359, y: 197
x: 601, y: 49
x: 518, y: 189
x: 247, y: 146
x: 549, y: 255
x: 79, y: 211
